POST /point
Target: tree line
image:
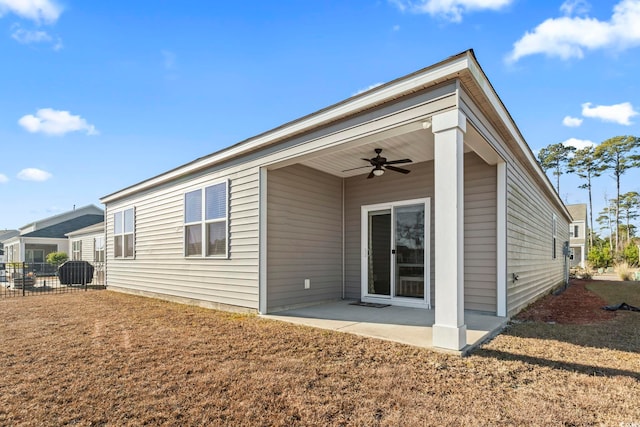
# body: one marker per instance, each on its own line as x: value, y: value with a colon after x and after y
x: 615, y: 156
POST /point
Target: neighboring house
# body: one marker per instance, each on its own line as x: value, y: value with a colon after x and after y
x: 5, y: 235
x: 578, y: 234
x: 87, y: 244
x: 290, y: 218
x: 38, y: 239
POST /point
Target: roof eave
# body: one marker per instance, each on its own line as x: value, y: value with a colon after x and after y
x: 434, y: 74
x: 487, y: 88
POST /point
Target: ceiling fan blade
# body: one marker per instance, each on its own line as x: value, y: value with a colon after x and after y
x: 359, y: 167
x: 395, y: 162
x: 371, y: 175
x: 395, y: 169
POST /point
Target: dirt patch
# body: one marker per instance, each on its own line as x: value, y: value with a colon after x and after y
x: 577, y: 305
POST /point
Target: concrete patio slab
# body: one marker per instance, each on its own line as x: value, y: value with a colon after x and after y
x: 410, y: 326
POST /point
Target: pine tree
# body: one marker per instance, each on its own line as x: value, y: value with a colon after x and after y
x: 586, y: 166
x: 618, y: 154
x: 555, y: 157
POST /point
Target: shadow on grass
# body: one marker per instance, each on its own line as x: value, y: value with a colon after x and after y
x: 620, y: 333
x: 561, y: 365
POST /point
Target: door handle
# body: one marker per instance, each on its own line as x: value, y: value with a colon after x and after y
x: 393, y: 251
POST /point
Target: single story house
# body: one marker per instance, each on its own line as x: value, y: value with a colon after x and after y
x: 38, y: 239
x: 421, y: 192
x: 578, y: 234
x: 87, y: 244
x: 7, y: 234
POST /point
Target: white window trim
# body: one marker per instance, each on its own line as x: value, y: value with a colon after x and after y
x: 133, y: 233
x: 204, y: 222
x: 554, y: 235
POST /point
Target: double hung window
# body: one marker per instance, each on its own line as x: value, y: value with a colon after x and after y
x: 98, y: 249
x: 206, y: 221
x: 76, y: 250
x: 124, y: 233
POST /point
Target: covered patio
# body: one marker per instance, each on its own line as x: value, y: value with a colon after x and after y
x: 412, y: 326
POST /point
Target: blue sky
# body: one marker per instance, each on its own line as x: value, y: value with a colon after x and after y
x: 96, y: 96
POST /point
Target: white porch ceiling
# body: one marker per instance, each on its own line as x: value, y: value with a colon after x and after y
x: 416, y: 145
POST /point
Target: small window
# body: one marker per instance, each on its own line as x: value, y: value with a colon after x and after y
x: 575, y: 231
x: 123, y: 234
x: 98, y: 249
x: 76, y: 250
x: 554, y: 228
x: 206, y: 221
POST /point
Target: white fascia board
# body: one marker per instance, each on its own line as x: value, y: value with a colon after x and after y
x: 505, y: 117
x: 356, y: 104
x: 91, y: 229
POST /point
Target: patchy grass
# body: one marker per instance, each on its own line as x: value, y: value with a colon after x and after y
x: 103, y: 358
x: 617, y: 292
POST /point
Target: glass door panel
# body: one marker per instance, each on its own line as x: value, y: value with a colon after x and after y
x: 379, y: 253
x: 410, y: 245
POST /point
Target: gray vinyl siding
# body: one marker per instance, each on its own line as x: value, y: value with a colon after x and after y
x: 529, y: 241
x: 160, y: 267
x: 529, y: 212
x: 480, y: 250
x: 480, y: 224
x: 304, y: 236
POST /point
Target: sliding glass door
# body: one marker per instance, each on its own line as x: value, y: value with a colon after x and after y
x: 395, y: 261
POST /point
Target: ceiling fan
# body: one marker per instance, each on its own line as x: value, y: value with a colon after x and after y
x: 380, y: 164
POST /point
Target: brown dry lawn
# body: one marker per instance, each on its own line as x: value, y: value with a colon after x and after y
x: 104, y: 358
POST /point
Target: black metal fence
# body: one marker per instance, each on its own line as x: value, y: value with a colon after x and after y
x: 25, y: 279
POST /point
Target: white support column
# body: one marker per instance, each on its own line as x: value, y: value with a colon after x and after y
x: 449, y: 330
x: 582, y: 256
x: 262, y: 280
x: 501, y: 239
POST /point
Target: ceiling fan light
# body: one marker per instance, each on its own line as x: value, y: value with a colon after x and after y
x: 378, y: 172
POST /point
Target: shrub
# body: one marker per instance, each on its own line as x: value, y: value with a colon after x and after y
x: 600, y: 257
x: 630, y: 254
x: 57, y: 258
x: 624, y: 271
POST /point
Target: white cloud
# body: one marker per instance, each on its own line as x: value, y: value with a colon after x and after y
x: 572, y: 122
x: 396, y: 28
x: 26, y: 36
x: 578, y: 144
x: 568, y: 37
x: 575, y: 7
x: 617, y: 113
x: 33, y: 174
x: 34, y: 10
x: 55, y: 122
x: 35, y: 36
x: 367, y: 88
x: 451, y: 10
x: 3, y: 178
